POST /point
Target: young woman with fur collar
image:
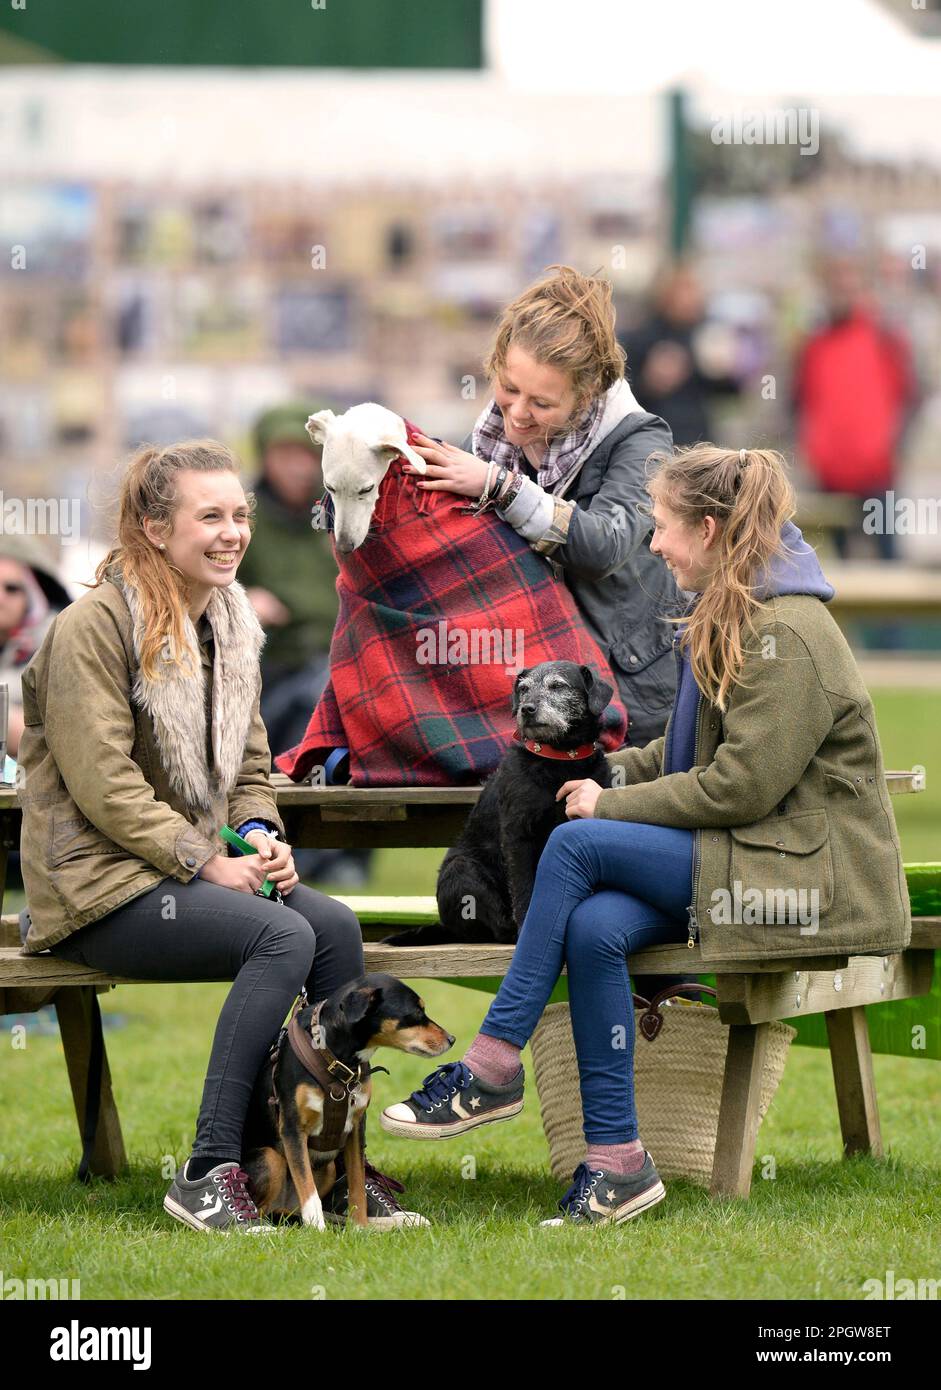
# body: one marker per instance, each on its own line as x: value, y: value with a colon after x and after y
x: 143, y: 737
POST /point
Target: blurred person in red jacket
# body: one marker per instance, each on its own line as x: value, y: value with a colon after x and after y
x: 854, y: 392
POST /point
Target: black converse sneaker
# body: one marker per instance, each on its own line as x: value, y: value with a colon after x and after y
x: 221, y: 1201
x: 597, y: 1196
x: 384, y: 1212
x: 451, y: 1101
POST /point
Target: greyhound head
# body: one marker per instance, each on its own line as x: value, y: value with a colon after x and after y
x: 357, y: 450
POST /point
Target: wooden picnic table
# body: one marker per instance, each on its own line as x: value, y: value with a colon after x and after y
x: 317, y: 817
x: 887, y: 590
x: 750, y: 994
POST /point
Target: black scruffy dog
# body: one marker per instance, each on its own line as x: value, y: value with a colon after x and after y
x: 486, y: 879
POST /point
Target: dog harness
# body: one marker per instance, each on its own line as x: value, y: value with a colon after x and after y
x: 546, y: 750
x: 335, y: 1078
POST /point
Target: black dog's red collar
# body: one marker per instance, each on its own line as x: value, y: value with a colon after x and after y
x: 546, y: 750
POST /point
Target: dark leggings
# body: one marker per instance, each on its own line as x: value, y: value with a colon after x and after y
x: 204, y: 931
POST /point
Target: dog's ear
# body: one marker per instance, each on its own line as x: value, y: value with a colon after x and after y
x: 319, y: 424
x: 516, y: 688
x: 358, y: 1004
x: 599, y: 692
x: 394, y: 437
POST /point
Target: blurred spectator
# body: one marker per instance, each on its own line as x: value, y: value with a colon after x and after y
x: 31, y: 594
x: 677, y: 361
x: 290, y: 575
x: 854, y: 391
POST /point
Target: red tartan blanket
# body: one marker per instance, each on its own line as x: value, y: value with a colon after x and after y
x: 439, y: 611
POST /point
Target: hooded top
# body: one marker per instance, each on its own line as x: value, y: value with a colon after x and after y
x: 797, y: 571
x: 46, y: 595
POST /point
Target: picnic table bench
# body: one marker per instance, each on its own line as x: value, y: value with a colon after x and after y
x: 887, y: 591
x: 750, y: 994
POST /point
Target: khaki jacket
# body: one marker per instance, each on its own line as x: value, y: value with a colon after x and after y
x: 796, y: 846
x: 126, y: 781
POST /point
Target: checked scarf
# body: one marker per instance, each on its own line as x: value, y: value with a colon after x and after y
x: 439, y: 611
x: 489, y: 442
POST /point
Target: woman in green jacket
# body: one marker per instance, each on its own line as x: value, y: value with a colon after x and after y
x: 759, y: 825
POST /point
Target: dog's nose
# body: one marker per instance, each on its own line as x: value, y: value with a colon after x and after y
x: 527, y: 710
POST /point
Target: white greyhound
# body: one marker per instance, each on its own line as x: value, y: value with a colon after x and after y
x: 358, y: 447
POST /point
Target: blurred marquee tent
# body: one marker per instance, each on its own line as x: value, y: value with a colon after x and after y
x: 245, y: 33
x: 539, y: 89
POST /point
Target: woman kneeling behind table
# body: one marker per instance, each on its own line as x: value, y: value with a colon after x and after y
x: 143, y: 737
x: 769, y: 777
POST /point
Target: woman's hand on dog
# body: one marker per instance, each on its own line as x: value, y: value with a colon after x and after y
x: 278, y: 860
x: 450, y: 469
x: 581, y: 798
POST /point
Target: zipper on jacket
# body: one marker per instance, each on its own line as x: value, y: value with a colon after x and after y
x: 693, y: 928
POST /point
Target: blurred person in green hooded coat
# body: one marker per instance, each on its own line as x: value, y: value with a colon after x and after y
x: 290, y: 574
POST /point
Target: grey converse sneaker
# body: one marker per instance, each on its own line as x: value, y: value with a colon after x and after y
x: 597, y: 1196
x: 451, y: 1101
x: 221, y: 1201
x: 384, y: 1212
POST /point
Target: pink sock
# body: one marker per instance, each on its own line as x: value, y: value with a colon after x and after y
x: 493, y: 1060
x: 616, y: 1158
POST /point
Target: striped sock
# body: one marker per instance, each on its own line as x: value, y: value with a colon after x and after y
x: 493, y: 1060
x: 616, y: 1158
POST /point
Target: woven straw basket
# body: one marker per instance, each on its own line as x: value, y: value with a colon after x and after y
x: 677, y: 1087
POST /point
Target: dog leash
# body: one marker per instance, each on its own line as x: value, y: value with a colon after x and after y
x: 336, y: 1079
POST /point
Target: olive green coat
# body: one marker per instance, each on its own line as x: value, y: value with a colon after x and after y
x: 788, y: 800
x: 124, y: 781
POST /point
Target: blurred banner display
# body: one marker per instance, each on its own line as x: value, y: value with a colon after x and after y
x: 243, y: 33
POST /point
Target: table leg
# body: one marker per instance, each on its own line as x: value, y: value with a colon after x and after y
x: 851, y: 1058
x: 739, y: 1112
x: 73, y: 1007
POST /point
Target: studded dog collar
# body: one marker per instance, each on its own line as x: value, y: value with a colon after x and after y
x: 546, y: 750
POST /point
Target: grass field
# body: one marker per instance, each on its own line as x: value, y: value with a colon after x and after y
x: 816, y: 1226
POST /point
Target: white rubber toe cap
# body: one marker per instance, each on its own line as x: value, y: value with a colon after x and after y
x: 400, y: 1112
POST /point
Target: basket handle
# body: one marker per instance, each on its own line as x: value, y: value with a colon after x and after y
x: 651, y: 1020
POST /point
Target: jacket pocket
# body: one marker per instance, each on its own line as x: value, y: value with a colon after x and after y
x: 73, y: 836
x: 835, y: 782
x: 789, y: 860
x: 650, y: 687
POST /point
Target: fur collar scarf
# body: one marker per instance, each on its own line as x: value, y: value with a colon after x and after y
x: 176, y: 701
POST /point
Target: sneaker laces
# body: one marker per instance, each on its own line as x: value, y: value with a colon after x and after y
x: 234, y: 1187
x: 441, y: 1085
x: 583, y: 1184
x: 384, y: 1186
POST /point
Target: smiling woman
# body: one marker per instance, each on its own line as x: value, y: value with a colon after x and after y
x: 143, y: 738
x: 559, y: 452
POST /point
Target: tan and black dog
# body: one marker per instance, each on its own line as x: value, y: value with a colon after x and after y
x: 311, y: 1095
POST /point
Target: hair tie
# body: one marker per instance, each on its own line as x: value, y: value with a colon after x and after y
x: 742, y: 459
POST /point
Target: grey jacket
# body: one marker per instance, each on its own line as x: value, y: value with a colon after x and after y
x: 623, y: 590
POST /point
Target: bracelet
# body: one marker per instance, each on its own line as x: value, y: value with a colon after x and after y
x: 501, y: 479
x: 511, y: 491
x: 503, y: 491
x: 486, y: 488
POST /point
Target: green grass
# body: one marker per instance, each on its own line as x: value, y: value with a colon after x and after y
x: 817, y: 1229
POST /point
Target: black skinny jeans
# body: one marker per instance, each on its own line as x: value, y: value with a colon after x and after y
x: 218, y: 933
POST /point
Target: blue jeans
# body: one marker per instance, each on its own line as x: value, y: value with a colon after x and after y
x: 603, y: 889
